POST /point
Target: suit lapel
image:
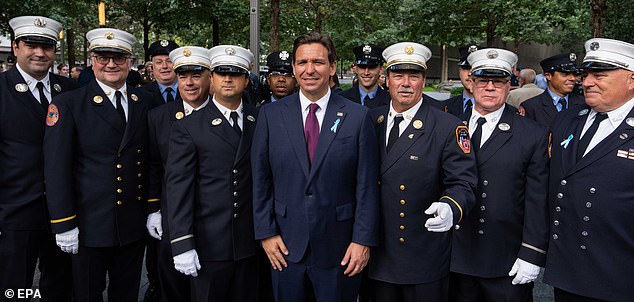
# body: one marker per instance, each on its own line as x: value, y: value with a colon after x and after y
x: 103, y: 107
x: 248, y: 126
x: 134, y: 117
x: 26, y: 98
x: 294, y: 125
x: 381, y: 133
x: 333, y: 119
x: 222, y: 129
x: 173, y: 109
x: 498, y: 138
x: 547, y: 105
x: 407, y: 139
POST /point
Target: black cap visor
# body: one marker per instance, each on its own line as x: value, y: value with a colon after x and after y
x: 186, y: 68
x: 406, y: 66
x: 37, y: 40
x: 230, y: 69
x: 495, y: 73
x: 593, y: 65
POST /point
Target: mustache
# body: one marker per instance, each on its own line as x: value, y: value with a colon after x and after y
x: 405, y: 90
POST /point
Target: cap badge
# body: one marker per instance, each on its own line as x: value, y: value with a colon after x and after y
x: 57, y: 87
x: 39, y: 22
x: 187, y: 52
x: 134, y: 97
x: 409, y: 50
x: 411, y: 136
x: 284, y: 55
x: 630, y: 121
x: 97, y: 99
x: 594, y: 46
x: 367, y: 49
x: 583, y: 112
x: 21, y: 87
x: 250, y: 118
x: 492, y: 54
x: 179, y: 115
x: 504, y: 127
x: 230, y: 51
x: 109, y: 35
x: 216, y: 121
x: 573, y: 57
x: 473, y: 48
x: 417, y: 124
x: 164, y: 43
x: 380, y: 119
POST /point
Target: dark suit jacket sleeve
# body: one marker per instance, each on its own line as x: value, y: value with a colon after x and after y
x: 365, y: 230
x: 536, y: 217
x: 156, y: 171
x: 180, y: 173
x: 263, y: 213
x: 58, y: 170
x: 460, y: 177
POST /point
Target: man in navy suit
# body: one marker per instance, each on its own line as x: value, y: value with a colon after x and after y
x: 315, y: 178
x: 498, y: 249
x: 25, y: 92
x: 560, y: 71
x: 427, y: 176
x: 591, y: 196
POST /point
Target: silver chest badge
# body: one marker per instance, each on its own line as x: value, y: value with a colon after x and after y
x: 504, y: 127
x: 57, y: 87
x: 216, y: 121
x: 21, y: 87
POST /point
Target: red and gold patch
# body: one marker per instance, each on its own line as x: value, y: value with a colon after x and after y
x: 462, y: 138
x: 52, y: 116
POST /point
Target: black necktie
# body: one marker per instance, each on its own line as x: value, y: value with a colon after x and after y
x: 118, y: 95
x: 585, y: 140
x: 477, y: 134
x: 562, y: 102
x: 366, y: 99
x: 234, y: 118
x: 394, y: 132
x: 468, y: 106
x: 43, y: 99
x: 169, y: 97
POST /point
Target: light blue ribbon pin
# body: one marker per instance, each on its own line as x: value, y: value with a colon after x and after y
x: 567, y: 141
x: 334, y: 126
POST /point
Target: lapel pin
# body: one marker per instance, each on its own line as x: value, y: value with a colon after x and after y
x: 413, y: 157
x: 621, y: 153
x: 340, y: 114
x: 623, y: 136
x: 583, y: 112
x: 334, y: 125
x: 97, y: 99
x: 630, y: 121
x: 465, y: 123
x: 411, y: 136
x: 108, y: 92
x: 504, y: 127
x: 21, y: 87
x: 179, y: 115
x: 380, y: 119
x: 134, y: 97
x: 418, y: 124
x: 57, y: 87
x: 250, y: 118
x: 216, y: 121
x: 566, y: 142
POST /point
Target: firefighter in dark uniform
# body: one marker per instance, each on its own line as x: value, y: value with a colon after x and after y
x: 560, y: 72
x: 590, y: 193
x: 95, y: 156
x: 208, y: 179
x: 368, y: 66
x: 427, y: 178
x: 25, y: 92
x: 165, y: 90
x: 165, y: 82
x: 498, y: 249
x: 281, y: 81
x: 460, y: 104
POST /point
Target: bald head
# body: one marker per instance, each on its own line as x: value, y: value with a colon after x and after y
x: 527, y: 76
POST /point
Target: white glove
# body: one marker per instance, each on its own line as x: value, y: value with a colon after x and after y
x: 154, y: 226
x: 443, y: 217
x: 187, y: 263
x: 524, y: 272
x: 68, y: 241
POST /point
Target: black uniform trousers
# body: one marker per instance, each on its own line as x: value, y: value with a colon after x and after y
x: 122, y: 264
x: 564, y: 296
x: 466, y: 288
x: 226, y: 281
x: 425, y: 292
x: 174, y: 285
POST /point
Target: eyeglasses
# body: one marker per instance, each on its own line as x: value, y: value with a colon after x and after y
x: 104, y: 60
x: 280, y: 74
x: 497, y: 82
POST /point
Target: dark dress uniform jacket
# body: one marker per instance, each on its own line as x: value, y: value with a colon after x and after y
x: 454, y: 105
x: 381, y: 98
x: 592, y: 204
x: 510, y: 218
x: 329, y: 205
x: 425, y: 165
x: 22, y: 125
x: 157, y: 99
x: 542, y: 110
x: 209, y: 186
x: 96, y: 168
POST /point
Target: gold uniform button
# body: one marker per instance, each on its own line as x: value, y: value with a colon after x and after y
x: 401, y: 214
x: 119, y: 191
x: 402, y: 187
x: 119, y: 166
x: 138, y: 151
x: 401, y: 239
x: 402, y: 201
x: 138, y: 163
x: 139, y: 198
x: 119, y: 202
x: 379, y: 182
x: 401, y: 227
x: 139, y: 175
x: 140, y: 186
x: 119, y: 178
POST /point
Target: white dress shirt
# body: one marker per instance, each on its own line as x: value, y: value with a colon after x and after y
x: 320, y: 113
x: 189, y: 109
x: 110, y: 93
x: 31, y: 82
x: 408, y: 115
x: 487, y: 128
x: 607, y: 126
x: 226, y: 112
